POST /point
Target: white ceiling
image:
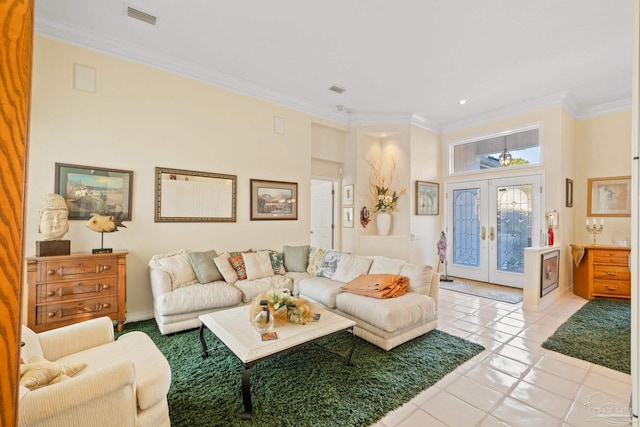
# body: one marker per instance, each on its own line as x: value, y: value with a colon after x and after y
x: 397, y: 59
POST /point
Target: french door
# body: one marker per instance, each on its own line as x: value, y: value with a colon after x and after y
x: 489, y: 224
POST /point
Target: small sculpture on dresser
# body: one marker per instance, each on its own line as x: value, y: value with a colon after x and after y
x: 53, y: 224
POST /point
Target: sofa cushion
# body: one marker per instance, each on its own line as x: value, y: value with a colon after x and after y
x: 177, y: 265
x: 419, y: 276
x: 198, y: 297
x: 320, y: 289
x: 258, y: 265
x: 350, y: 267
x: 226, y: 269
x: 296, y: 258
x: 384, y: 265
x: 250, y: 289
x: 329, y: 264
x: 390, y: 315
x: 316, y: 255
x: 204, y: 267
x: 153, y: 373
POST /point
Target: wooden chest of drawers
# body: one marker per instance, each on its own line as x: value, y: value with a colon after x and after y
x: 68, y: 289
x: 602, y: 272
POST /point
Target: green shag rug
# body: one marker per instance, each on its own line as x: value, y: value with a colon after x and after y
x: 600, y: 333
x: 309, y: 387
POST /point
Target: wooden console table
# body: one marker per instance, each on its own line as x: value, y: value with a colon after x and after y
x: 71, y: 288
x: 602, y: 271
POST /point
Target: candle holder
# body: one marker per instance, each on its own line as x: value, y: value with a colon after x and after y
x: 595, y: 229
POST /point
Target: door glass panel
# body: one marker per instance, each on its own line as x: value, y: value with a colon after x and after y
x: 466, y: 227
x: 514, y: 226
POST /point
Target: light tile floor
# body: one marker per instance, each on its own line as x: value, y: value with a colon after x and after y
x: 515, y: 382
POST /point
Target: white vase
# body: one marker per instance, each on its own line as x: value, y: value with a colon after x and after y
x: 383, y: 221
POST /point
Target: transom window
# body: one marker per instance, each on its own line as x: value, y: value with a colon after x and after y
x: 522, y: 145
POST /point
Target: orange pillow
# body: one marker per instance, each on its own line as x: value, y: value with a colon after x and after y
x: 237, y: 262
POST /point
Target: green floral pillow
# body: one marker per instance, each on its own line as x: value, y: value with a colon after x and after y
x: 277, y: 262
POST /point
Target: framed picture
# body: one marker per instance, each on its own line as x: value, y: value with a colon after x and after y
x: 427, y: 198
x: 550, y: 272
x: 609, y: 196
x: 91, y: 190
x: 569, y: 193
x: 347, y: 195
x: 192, y: 196
x: 272, y: 200
x: 347, y: 217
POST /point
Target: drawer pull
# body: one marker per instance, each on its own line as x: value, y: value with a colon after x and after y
x: 612, y: 288
x: 63, y: 312
x: 60, y: 292
x: 611, y: 273
x: 100, y: 268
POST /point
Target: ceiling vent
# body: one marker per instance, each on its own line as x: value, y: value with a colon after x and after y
x: 337, y: 89
x: 134, y: 13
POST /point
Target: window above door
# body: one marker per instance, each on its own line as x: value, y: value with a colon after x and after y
x: 509, y: 149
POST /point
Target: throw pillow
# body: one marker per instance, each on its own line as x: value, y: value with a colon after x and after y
x: 40, y: 372
x: 258, y: 265
x: 204, y: 267
x: 178, y: 266
x: 419, y: 276
x: 227, y: 271
x: 384, y: 265
x: 329, y: 264
x: 296, y: 258
x: 31, y: 345
x: 277, y: 262
x: 238, y: 264
x: 316, y: 255
x: 350, y: 267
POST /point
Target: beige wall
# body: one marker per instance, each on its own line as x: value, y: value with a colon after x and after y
x: 140, y: 118
x: 603, y: 149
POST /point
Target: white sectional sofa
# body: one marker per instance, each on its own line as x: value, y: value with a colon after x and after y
x: 187, y: 284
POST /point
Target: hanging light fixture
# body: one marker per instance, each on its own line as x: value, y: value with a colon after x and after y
x: 505, y: 156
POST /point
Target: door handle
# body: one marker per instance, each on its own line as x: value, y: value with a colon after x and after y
x: 492, y: 234
x: 483, y: 232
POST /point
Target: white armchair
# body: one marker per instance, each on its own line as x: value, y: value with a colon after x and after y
x: 125, y: 381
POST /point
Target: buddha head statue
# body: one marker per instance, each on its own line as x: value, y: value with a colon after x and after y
x: 54, y: 217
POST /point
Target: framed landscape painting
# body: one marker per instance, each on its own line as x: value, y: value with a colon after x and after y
x: 90, y: 190
x: 273, y: 200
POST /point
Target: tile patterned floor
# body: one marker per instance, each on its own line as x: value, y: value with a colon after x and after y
x: 515, y: 382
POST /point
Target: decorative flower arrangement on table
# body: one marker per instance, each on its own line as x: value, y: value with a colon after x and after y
x: 385, y: 198
x: 285, y: 307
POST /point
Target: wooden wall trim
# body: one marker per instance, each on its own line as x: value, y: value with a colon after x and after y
x: 16, y: 47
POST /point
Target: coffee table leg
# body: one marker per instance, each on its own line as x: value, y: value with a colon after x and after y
x: 205, y: 350
x: 246, y: 392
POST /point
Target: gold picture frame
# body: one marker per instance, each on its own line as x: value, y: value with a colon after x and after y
x: 273, y: 200
x: 427, y: 198
x: 609, y: 196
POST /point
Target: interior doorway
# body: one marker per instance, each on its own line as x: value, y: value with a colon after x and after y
x: 489, y: 224
x: 323, y: 208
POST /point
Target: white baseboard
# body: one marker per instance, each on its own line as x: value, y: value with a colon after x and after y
x: 136, y: 317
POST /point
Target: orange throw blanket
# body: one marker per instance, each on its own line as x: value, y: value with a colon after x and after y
x: 378, y: 285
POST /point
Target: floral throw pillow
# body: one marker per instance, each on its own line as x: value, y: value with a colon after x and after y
x: 315, y: 260
x: 329, y: 264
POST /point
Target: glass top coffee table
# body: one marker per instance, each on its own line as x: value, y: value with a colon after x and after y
x: 234, y: 329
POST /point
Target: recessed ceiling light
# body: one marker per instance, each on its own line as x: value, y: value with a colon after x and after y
x: 462, y: 101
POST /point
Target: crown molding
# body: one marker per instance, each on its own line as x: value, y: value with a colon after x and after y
x: 131, y: 52
x: 554, y: 100
x: 603, y: 109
